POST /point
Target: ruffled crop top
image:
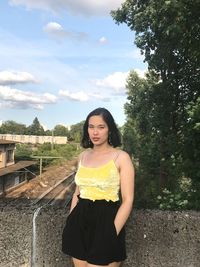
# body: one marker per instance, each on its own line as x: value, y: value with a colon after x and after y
x: 98, y: 183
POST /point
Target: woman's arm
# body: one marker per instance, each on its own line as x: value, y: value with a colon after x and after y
x: 74, y: 199
x: 76, y: 192
x: 127, y: 175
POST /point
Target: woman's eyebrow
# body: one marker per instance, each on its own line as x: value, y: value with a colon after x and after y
x: 90, y: 124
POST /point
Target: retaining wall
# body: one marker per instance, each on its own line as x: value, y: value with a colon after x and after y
x: 154, y: 238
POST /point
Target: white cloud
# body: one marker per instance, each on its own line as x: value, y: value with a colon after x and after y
x: 55, y: 30
x: 115, y: 81
x: 38, y: 58
x: 7, y: 105
x: 99, y: 97
x: 103, y: 40
x: 82, y: 7
x: 14, y: 98
x: 14, y: 77
x: 82, y: 96
x: 78, y: 96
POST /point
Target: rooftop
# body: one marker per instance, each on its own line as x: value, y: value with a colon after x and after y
x: 5, y: 142
x: 15, y: 167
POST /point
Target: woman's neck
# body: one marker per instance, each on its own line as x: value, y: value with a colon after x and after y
x: 102, y: 148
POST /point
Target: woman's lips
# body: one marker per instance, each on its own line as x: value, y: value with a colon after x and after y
x: 95, y: 139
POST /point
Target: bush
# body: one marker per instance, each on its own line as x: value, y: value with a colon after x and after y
x: 23, y: 152
x: 181, y: 199
x: 65, y: 152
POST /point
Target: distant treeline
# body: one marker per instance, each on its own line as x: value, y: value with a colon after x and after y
x: 12, y: 127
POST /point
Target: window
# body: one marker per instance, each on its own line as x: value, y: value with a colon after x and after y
x: 9, y: 156
x: 16, y: 180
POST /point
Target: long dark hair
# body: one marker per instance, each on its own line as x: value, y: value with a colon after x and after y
x: 114, y: 135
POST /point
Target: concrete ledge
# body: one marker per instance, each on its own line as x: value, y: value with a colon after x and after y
x: 154, y: 238
x: 163, y: 238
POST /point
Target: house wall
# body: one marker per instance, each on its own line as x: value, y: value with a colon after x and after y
x: 1, y: 185
x: 12, y: 180
x: 4, y: 148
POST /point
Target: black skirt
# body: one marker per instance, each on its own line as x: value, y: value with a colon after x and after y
x: 90, y: 233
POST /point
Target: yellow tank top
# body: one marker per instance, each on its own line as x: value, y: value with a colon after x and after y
x: 99, y: 183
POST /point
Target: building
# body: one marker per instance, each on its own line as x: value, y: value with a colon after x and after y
x: 33, y: 139
x: 12, y: 174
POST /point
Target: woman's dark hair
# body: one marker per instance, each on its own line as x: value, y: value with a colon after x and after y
x: 114, y: 135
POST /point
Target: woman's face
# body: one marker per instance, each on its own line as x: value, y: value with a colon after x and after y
x: 98, y: 130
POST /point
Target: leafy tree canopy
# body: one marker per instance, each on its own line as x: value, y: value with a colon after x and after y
x: 163, y: 111
x: 12, y: 127
x: 35, y: 128
x: 60, y: 130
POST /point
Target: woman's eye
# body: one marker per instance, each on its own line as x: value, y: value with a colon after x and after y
x: 97, y: 127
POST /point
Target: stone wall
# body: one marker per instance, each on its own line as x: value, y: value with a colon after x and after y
x: 154, y: 238
x: 15, y: 236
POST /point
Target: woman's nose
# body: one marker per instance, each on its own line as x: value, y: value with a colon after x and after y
x: 95, y: 131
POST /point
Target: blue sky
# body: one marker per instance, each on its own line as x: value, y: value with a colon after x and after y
x: 59, y: 60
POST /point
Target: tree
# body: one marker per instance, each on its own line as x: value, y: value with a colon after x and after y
x: 168, y: 34
x: 60, y: 130
x: 12, y: 127
x: 140, y: 136
x: 35, y: 128
x: 192, y: 141
x: 23, y: 152
x: 48, y: 132
x: 76, y: 132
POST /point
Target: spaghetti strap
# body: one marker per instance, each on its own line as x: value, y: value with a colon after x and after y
x: 81, y: 158
x: 116, y: 156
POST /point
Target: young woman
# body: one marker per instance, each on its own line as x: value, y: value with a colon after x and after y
x: 94, y: 233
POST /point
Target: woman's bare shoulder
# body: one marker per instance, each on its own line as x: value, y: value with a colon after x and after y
x: 125, y: 163
x: 83, y: 153
x: 123, y: 154
x: 124, y: 158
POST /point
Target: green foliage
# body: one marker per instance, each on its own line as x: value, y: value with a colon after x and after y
x: 66, y: 152
x: 182, y: 198
x: 130, y: 138
x: 23, y: 152
x: 167, y: 32
x: 194, y: 115
x: 12, y: 127
x: 162, y: 111
x: 76, y: 132
x: 60, y: 130
x: 35, y: 128
x: 48, y: 132
x: 191, y: 151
